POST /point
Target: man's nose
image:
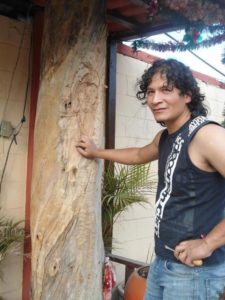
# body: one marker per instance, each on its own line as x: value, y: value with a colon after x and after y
x: 155, y: 98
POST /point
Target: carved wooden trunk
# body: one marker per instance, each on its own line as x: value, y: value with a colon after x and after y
x: 67, y: 250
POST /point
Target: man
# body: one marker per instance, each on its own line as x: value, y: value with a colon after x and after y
x: 190, y: 197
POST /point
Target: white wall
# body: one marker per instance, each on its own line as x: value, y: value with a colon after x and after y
x: 133, y: 233
x: 13, y: 193
x: 215, y: 100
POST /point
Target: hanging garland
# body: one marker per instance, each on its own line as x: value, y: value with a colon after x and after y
x: 171, y: 46
x: 202, y: 16
x: 223, y: 57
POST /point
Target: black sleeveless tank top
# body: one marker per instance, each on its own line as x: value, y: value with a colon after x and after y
x: 189, y: 201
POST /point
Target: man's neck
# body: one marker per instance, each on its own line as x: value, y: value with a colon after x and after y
x: 175, y: 125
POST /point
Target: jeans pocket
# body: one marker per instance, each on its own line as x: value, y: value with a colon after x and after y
x: 215, y: 287
x: 178, y: 270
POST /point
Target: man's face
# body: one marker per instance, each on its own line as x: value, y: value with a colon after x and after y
x: 165, y: 101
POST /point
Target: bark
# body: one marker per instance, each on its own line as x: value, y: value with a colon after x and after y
x: 67, y: 248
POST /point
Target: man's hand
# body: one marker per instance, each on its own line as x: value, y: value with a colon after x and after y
x: 188, y: 251
x: 87, y: 147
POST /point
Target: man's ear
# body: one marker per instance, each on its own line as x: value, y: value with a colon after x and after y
x: 188, y: 97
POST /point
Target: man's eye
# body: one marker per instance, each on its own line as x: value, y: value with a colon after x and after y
x: 150, y: 92
x: 167, y: 89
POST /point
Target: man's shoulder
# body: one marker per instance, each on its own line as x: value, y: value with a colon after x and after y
x: 209, y: 130
x: 206, y: 149
x: 198, y: 123
x: 209, y: 135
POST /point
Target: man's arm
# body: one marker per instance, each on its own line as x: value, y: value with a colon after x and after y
x: 135, y: 155
x: 210, y: 144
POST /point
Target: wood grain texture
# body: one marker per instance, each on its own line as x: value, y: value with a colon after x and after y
x: 67, y: 249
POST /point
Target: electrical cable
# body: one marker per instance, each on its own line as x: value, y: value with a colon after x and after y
x: 14, y: 71
x: 17, y: 129
x: 7, y: 156
x: 28, y: 80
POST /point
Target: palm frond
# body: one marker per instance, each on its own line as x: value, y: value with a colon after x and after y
x: 122, y: 187
x: 11, y: 234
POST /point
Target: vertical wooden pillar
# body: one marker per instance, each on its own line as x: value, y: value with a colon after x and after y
x: 35, y: 77
x: 67, y: 248
x: 111, y: 100
x: 111, y: 95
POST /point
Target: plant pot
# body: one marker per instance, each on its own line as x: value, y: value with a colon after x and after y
x: 136, y: 284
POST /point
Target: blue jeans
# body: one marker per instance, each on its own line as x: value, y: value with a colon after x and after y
x: 172, y: 281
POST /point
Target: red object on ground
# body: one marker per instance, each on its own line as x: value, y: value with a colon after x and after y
x: 109, y: 280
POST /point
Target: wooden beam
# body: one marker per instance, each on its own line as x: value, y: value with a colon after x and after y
x: 20, y: 8
x: 139, y: 3
x: 130, y: 11
x: 111, y: 94
x: 15, y: 4
x: 38, y: 24
x: 41, y: 3
x: 115, y: 4
x: 127, y: 22
x: 145, y: 31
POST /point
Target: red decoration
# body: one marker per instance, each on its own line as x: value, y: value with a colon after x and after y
x: 109, y: 279
x: 153, y: 7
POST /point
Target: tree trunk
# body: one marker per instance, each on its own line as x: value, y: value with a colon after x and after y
x: 67, y: 248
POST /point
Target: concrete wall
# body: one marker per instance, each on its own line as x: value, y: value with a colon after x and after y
x: 133, y: 233
x: 135, y: 126
x: 13, y: 81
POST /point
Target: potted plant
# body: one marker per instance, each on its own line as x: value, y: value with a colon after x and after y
x: 136, y: 284
x: 11, y: 236
x: 123, y: 186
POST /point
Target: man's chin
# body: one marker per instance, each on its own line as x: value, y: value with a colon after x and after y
x: 159, y: 119
x: 161, y: 123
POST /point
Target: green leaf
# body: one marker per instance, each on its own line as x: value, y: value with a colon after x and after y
x: 123, y: 186
x: 11, y: 235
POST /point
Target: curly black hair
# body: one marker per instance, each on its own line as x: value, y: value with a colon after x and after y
x: 178, y: 75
